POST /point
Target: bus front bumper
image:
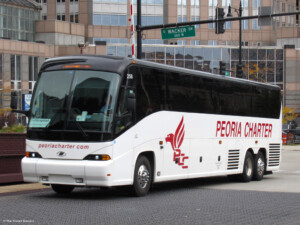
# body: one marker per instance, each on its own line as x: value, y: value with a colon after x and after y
x: 68, y: 172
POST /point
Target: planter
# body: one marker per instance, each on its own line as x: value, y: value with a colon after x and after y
x: 12, y: 150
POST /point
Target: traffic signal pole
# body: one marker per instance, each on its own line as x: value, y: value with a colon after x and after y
x: 140, y: 28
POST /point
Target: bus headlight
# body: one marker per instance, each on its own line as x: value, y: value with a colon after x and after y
x: 97, y: 157
x: 33, y: 155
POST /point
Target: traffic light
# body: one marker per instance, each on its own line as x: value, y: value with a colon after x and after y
x: 220, y: 25
x: 239, y: 71
x: 222, y: 68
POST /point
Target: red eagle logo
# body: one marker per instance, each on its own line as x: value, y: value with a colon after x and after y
x: 176, y: 141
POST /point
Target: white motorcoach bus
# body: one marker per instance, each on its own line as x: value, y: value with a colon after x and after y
x: 113, y: 121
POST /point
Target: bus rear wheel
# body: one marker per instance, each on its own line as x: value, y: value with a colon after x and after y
x: 62, y: 189
x: 248, y: 169
x: 259, y: 166
x: 142, y: 177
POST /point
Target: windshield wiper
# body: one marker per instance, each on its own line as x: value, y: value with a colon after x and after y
x: 84, y: 134
x: 58, y: 112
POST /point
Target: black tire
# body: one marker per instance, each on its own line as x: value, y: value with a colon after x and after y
x: 142, y: 177
x: 259, y: 166
x: 247, y: 174
x: 62, y: 189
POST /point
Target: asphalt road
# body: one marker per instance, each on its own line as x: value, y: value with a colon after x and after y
x: 274, y: 200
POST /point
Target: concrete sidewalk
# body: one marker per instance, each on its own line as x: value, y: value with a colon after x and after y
x: 291, y: 147
x: 23, y: 187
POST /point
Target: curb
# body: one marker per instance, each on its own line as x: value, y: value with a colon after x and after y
x: 291, y: 147
x: 22, y: 188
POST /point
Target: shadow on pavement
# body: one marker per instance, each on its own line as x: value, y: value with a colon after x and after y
x: 124, y: 192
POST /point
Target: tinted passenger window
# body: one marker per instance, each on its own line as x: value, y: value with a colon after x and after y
x: 202, y: 98
x: 178, y: 92
x: 149, y: 91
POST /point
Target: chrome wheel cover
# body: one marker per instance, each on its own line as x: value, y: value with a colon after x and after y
x: 249, y: 167
x: 260, y: 167
x: 143, y: 176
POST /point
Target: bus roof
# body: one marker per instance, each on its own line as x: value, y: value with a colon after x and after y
x: 118, y: 64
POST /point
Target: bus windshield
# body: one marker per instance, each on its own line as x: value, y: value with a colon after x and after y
x: 74, y: 100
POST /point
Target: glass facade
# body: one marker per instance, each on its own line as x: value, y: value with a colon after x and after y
x: 73, y: 11
x: 1, y: 72
x: 1, y: 79
x: 17, y: 23
x: 33, y: 68
x: 212, y: 4
x: 150, y: 2
x: 150, y: 20
x: 255, y: 6
x: 15, y: 72
x: 225, y: 4
x: 110, y: 20
x: 152, y: 12
x: 112, y: 40
x: 195, y: 11
x: 259, y: 64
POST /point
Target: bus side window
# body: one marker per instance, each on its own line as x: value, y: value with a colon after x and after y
x: 150, y: 91
x: 124, y: 117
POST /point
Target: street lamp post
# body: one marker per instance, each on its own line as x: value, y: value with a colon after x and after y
x: 240, y: 72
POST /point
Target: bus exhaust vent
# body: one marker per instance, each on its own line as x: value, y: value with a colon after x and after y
x: 274, y: 155
x: 233, y: 159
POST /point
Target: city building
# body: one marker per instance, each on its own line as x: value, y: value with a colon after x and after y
x: 32, y: 31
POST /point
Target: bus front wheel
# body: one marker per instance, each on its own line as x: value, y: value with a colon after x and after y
x: 247, y: 174
x: 142, y: 177
x: 62, y: 189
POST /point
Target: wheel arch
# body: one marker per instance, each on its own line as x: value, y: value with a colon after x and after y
x: 249, y: 150
x: 150, y: 155
x: 264, y: 152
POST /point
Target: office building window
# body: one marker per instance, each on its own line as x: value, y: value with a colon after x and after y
x: 225, y: 4
x: 110, y: 20
x: 15, y: 70
x: 61, y: 16
x: 195, y: 11
x: 212, y: 4
x: 256, y: 4
x: 1, y: 77
x: 212, y: 42
x: 194, y: 42
x: 17, y: 23
x: 144, y: 2
x: 150, y: 20
x: 152, y: 41
x: 181, y: 11
x: 111, y: 40
x: 33, y: 68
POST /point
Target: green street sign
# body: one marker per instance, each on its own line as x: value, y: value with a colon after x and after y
x: 226, y: 74
x: 178, y: 32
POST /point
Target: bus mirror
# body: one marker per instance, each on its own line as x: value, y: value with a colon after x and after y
x: 14, y: 105
x: 14, y: 101
x: 131, y: 101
